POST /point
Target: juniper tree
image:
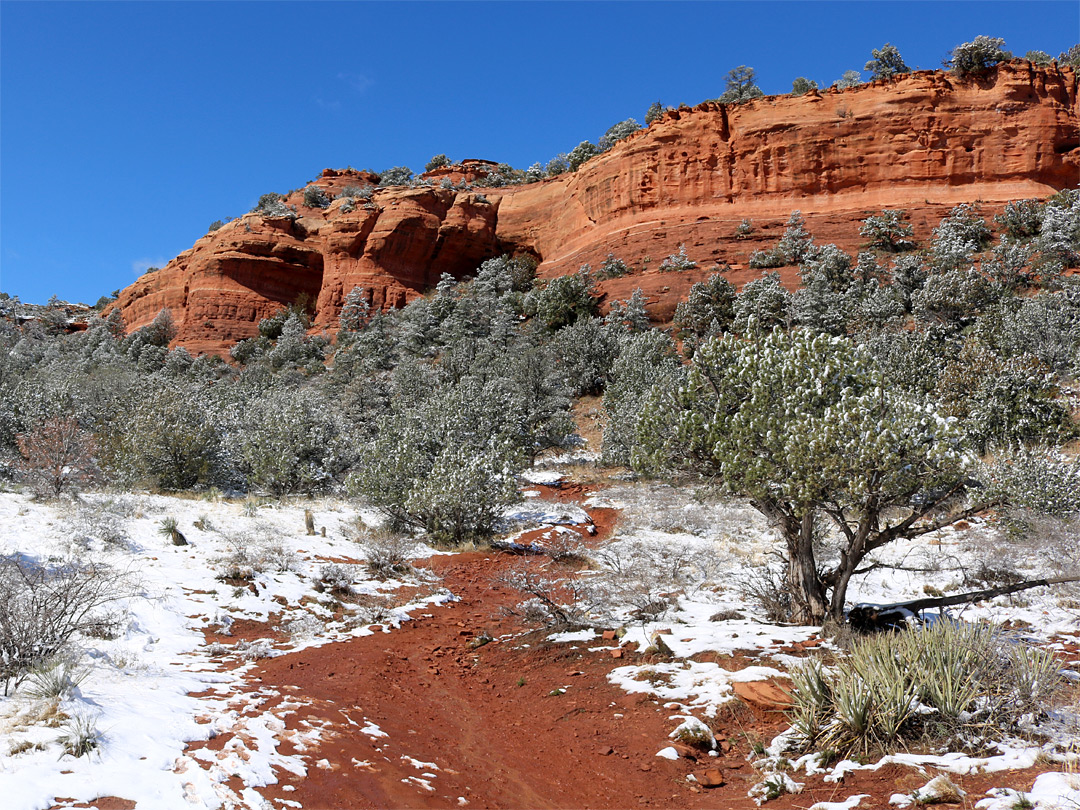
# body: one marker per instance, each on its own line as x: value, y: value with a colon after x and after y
x: 355, y: 311
x: 851, y: 78
x: 709, y: 309
x: 740, y: 86
x: 645, y: 360
x: 762, y: 304
x: 886, y: 63
x: 888, y: 231
x: 977, y: 56
x: 805, y: 426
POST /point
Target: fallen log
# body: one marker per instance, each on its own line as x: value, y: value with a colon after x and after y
x: 868, y: 618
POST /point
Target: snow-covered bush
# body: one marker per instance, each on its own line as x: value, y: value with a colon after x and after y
x: 1021, y: 219
x: 43, y: 607
x: 644, y: 360
x: 273, y: 206
x: 387, y: 554
x: 740, y: 86
x: 255, y: 552
x: 170, y: 438
x: 1045, y: 325
x: 641, y: 578
x: 612, y: 267
x: 799, y: 422
x: 709, y: 309
x: 762, y: 304
x: 791, y: 249
x: 396, y: 176
x: 89, y: 522
x: 851, y: 78
x: 315, y: 197
x: 677, y: 262
x: 563, y: 299
x: 585, y: 351
x: 581, y: 153
x: 556, y: 601
x: 437, y: 162
x: 888, y: 231
x: 1058, y: 240
x: 955, y: 297
x: 978, y: 56
x: 616, y: 132
x: 886, y: 63
x: 449, y: 464
x: 290, y: 440
x: 630, y: 315
x: 959, y: 235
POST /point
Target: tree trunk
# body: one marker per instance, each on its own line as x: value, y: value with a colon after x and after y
x: 807, y: 590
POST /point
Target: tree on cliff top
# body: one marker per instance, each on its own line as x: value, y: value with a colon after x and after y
x: 977, y: 56
x: 886, y: 63
x: 740, y: 86
x: 805, y: 426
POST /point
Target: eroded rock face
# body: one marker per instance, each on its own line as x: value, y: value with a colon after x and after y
x: 923, y: 142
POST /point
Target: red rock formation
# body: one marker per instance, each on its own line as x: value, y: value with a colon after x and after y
x: 922, y: 142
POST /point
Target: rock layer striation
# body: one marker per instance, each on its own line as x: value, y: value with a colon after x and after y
x: 923, y: 142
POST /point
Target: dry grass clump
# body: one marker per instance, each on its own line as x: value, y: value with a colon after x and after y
x: 387, y: 554
x: 253, y: 553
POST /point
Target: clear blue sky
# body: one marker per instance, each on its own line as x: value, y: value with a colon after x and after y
x: 127, y: 127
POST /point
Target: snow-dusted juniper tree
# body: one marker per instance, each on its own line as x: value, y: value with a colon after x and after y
x: 708, y: 310
x: 886, y: 63
x: 805, y: 426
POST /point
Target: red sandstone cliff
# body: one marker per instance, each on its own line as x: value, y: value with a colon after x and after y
x: 923, y: 142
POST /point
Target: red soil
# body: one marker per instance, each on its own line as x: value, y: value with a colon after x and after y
x: 492, y: 720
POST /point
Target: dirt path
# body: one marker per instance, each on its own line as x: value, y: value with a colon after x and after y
x: 420, y: 717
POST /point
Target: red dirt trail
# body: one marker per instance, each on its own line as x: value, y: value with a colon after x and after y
x: 493, y: 723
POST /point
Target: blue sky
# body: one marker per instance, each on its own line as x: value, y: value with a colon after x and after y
x: 126, y: 128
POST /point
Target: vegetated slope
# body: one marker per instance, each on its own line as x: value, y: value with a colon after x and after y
x: 922, y: 142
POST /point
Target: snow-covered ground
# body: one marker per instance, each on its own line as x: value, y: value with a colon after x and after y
x: 135, y: 695
x: 713, y: 614
x: 154, y: 685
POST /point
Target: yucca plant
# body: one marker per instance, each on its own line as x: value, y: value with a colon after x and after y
x: 168, y: 527
x: 81, y: 736
x: 812, y: 701
x: 950, y: 680
x: 55, y: 680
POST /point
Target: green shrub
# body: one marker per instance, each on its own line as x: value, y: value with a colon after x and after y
x: 437, y: 162
x: 562, y: 300
x: 801, y: 86
x: 581, y: 153
x: 978, y: 56
x: 315, y: 197
x: 272, y: 205
x: 851, y: 78
x: 612, y: 267
x: 886, y: 63
x: 396, y: 176
x: 888, y: 231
